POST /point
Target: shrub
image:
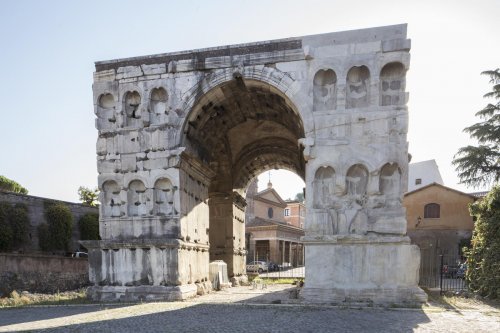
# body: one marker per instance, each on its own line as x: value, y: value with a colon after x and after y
x: 20, y: 224
x: 89, y: 226
x: 59, y: 227
x: 484, y: 256
x: 14, y: 225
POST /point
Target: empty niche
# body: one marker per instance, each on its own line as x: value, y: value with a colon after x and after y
x: 356, y: 180
x: 164, y: 193
x: 107, y: 101
x: 136, y: 198
x: 158, y: 101
x: 106, y: 110
x: 324, y: 186
x: 358, y: 83
x: 112, y: 201
x: 390, y: 179
x: 132, y: 101
x: 392, y: 87
x: 324, y: 90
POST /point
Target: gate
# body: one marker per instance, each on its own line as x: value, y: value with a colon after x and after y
x: 442, y: 271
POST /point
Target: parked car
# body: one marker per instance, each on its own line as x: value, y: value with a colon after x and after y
x: 462, y: 269
x: 257, y: 266
x: 272, y: 267
x: 80, y: 255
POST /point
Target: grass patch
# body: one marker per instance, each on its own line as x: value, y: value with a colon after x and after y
x: 16, y: 299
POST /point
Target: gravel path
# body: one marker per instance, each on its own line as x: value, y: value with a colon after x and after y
x: 243, y: 310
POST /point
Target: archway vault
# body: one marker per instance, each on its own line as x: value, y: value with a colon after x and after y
x: 239, y: 129
x: 243, y: 127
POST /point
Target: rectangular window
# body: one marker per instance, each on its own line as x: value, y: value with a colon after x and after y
x: 287, y: 211
x: 418, y: 181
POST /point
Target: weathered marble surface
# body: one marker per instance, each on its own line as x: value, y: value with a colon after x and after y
x: 181, y: 135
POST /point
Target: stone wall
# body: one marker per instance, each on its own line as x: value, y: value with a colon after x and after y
x: 39, y: 273
x: 36, y: 213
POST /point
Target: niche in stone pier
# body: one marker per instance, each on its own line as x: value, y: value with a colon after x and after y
x: 390, y: 180
x: 164, y: 193
x: 158, y: 104
x: 324, y: 187
x: 112, y: 201
x: 106, y: 110
x: 392, y: 84
x: 324, y: 90
x: 358, y: 84
x: 132, y: 102
x: 357, y: 180
x: 136, y: 198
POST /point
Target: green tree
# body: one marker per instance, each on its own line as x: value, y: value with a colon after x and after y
x: 483, y: 271
x: 480, y: 165
x: 59, y: 227
x: 7, y: 184
x: 299, y: 196
x: 88, y: 196
x: 89, y: 226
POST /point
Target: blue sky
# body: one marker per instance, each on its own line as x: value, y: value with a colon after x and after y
x: 49, y: 49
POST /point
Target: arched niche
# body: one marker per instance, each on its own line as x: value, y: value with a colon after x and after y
x: 358, y: 85
x: 324, y: 93
x: 158, y: 104
x: 136, y: 198
x: 392, y: 84
x: 106, y: 101
x: 323, y: 186
x: 390, y: 180
x: 131, y: 103
x: 111, y: 199
x: 164, y: 197
x: 357, y: 180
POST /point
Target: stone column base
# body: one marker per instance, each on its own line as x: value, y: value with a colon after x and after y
x: 142, y: 293
x: 369, y: 270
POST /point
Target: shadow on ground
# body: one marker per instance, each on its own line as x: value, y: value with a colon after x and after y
x: 240, y: 309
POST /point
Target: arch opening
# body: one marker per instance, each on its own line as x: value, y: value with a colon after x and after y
x: 240, y: 129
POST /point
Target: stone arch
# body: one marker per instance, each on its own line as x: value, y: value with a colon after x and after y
x: 278, y: 82
x: 390, y: 180
x: 111, y: 201
x: 323, y: 187
x: 358, y: 87
x: 131, y: 108
x: 158, y: 105
x: 136, y: 198
x: 357, y: 180
x: 324, y: 90
x: 392, y: 84
x: 164, y: 197
x: 240, y: 128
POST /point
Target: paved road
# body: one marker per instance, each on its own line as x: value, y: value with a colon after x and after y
x: 242, y: 310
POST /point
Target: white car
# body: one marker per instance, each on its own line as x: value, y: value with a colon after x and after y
x: 80, y: 255
x: 257, y: 266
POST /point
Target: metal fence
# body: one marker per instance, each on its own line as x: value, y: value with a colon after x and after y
x: 443, y: 272
x: 285, y: 273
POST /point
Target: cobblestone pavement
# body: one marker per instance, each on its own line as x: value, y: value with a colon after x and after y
x: 243, y: 310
